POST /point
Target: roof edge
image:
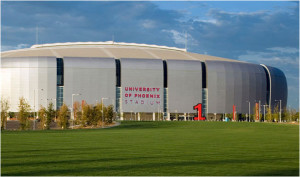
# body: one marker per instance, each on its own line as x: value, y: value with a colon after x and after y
x: 104, y: 43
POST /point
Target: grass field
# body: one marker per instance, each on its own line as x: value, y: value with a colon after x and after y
x: 156, y: 149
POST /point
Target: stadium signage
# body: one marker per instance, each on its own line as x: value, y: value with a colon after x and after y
x: 142, y: 95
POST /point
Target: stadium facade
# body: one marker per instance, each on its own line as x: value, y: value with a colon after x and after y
x: 137, y: 78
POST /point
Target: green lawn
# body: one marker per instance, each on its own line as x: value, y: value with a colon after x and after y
x: 156, y: 149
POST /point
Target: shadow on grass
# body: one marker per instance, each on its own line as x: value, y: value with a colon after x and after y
x: 143, y: 125
x: 52, y: 149
x: 279, y: 172
x: 75, y: 167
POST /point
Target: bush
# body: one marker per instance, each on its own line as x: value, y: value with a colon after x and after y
x: 98, y: 114
x: 50, y: 114
x: 63, y: 116
x: 11, y: 114
x: 269, y: 115
x: 23, y: 114
x: 4, y: 114
x: 42, y: 117
x: 77, y: 112
x: 109, y: 114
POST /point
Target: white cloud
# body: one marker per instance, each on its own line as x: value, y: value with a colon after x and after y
x: 288, y: 50
x: 270, y: 58
x: 148, y: 24
x: 180, y: 38
x: 19, y: 46
x: 211, y: 21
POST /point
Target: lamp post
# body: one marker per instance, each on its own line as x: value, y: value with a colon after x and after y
x: 103, y: 111
x: 74, y: 94
x: 264, y: 111
x: 279, y: 110
x: 249, y: 111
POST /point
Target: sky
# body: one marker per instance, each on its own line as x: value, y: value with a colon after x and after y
x: 259, y: 32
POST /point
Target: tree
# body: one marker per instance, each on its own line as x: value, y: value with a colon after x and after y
x: 109, y: 114
x: 93, y: 119
x: 229, y: 115
x: 90, y: 115
x: 269, y: 114
x: 23, y: 114
x: 276, y: 113
x: 77, y: 112
x: 296, y: 116
x: 4, y: 112
x: 63, y: 116
x: 253, y: 116
x: 50, y: 114
x: 42, y: 117
x: 85, y: 114
x: 11, y: 114
x: 243, y: 117
x: 285, y: 115
x: 98, y: 113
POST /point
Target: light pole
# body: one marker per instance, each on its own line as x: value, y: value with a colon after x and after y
x: 103, y: 111
x: 279, y: 110
x: 264, y: 111
x: 249, y: 111
x: 74, y: 94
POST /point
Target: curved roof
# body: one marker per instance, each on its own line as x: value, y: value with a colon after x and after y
x: 109, y: 49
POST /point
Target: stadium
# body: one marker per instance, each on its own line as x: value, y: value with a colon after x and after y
x: 138, y: 79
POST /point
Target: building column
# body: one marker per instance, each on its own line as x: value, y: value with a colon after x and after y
x: 153, y: 116
x: 139, y: 116
x: 184, y: 115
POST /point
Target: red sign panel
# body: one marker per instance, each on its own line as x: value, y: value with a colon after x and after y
x: 233, y: 112
x: 199, y: 108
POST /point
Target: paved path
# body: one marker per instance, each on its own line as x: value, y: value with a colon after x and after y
x: 116, y: 124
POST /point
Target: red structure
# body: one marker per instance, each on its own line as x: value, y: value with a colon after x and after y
x: 233, y: 112
x: 257, y: 111
x: 199, y: 108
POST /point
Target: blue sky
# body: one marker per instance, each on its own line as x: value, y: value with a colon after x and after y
x: 252, y: 31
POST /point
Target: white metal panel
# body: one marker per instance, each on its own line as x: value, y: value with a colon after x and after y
x: 184, y: 85
x: 27, y: 75
x: 93, y: 78
x: 145, y: 74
